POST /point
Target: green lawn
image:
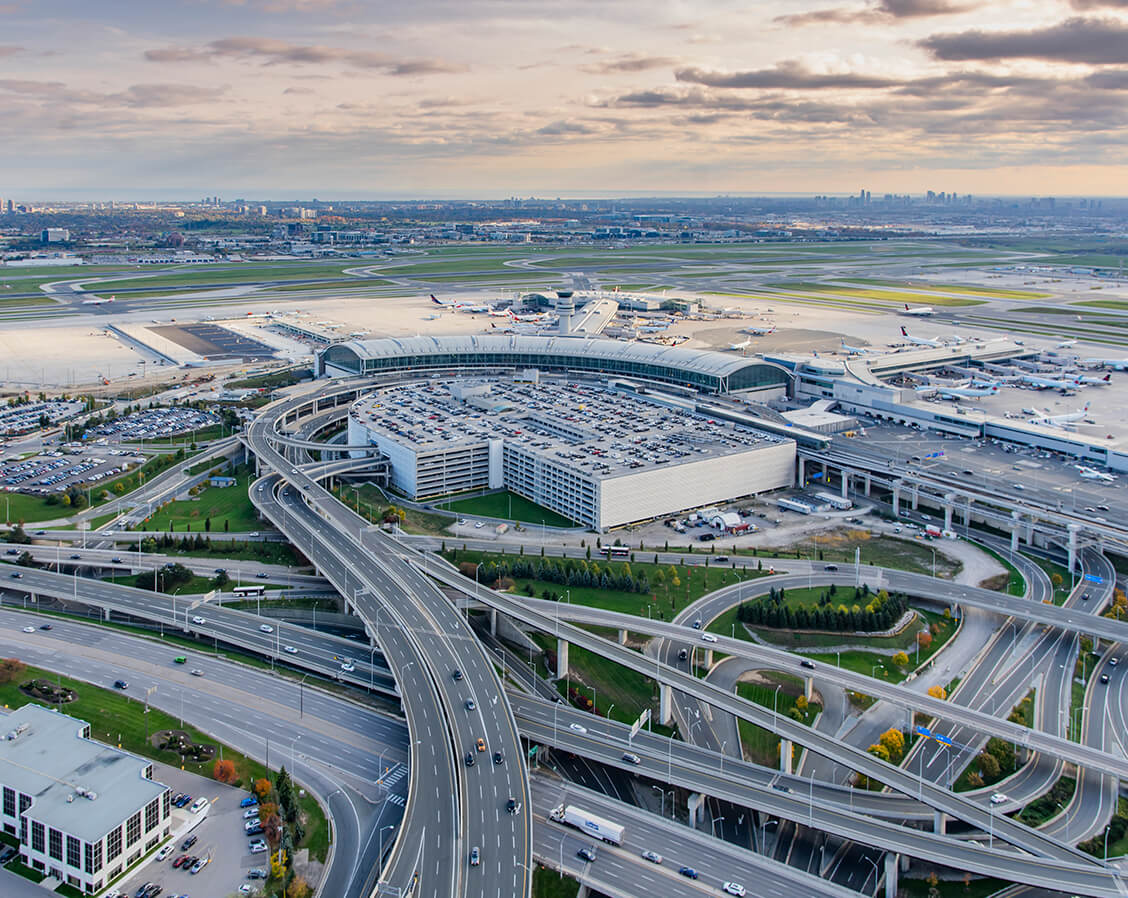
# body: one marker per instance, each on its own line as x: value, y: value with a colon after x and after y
x: 1015, y: 583
x: 664, y: 598
x: 231, y: 505
x: 967, y: 887
x: 761, y: 746
x: 1046, y: 806
x: 240, y: 550
x: 550, y: 884
x: 913, y: 555
x: 506, y: 506
x: 369, y: 501
x: 196, y: 586
x: 866, y: 662
x: 888, y: 296
x: 928, y: 286
x: 1058, y: 575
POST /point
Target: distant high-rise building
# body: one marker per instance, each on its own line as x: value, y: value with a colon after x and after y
x: 3, y: 205
x: 54, y: 235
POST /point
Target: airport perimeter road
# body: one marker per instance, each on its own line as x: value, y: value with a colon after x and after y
x: 335, y: 747
x: 425, y: 641
x: 901, y: 780
x: 621, y: 872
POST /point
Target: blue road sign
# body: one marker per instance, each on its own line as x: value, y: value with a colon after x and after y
x: 1093, y: 578
x: 943, y: 740
x: 924, y: 731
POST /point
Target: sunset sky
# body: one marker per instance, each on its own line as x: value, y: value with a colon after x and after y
x: 492, y: 98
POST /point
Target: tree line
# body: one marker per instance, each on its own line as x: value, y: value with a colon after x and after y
x: 868, y: 611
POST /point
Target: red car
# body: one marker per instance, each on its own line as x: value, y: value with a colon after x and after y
x: 179, y: 862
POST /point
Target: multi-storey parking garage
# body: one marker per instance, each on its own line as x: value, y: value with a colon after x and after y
x: 596, y: 454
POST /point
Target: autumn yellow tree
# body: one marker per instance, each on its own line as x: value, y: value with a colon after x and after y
x: 901, y: 659
x: 894, y: 742
x: 938, y: 691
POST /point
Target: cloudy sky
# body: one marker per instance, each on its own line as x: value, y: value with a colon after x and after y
x: 489, y: 98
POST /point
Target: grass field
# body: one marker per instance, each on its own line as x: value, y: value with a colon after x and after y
x: 221, y: 505
x: 970, y: 290
x: 915, y: 556
x: 884, y: 296
x: 196, y: 586
x: 1103, y: 303
x: 505, y: 506
x: 968, y: 887
x: 549, y: 884
x: 872, y: 664
x: 369, y: 501
x: 759, y: 745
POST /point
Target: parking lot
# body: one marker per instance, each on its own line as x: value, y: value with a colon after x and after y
x: 57, y: 471
x: 154, y: 423
x: 25, y: 418
x: 220, y: 837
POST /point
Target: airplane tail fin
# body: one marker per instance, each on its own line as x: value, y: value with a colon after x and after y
x: 904, y: 333
x: 1108, y: 378
x: 434, y: 300
x: 906, y: 307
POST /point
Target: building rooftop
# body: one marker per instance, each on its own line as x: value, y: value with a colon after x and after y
x: 600, y: 431
x: 77, y: 785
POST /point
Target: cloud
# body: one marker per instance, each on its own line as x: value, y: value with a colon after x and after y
x: 10, y: 50
x: 277, y: 52
x: 136, y: 96
x: 629, y: 63
x: 788, y: 74
x: 884, y: 11
x: 1094, y: 41
x: 1098, y: 4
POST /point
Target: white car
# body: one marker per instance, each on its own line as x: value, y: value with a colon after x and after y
x: 164, y: 852
x: 653, y: 856
x: 257, y: 846
x: 461, y: 521
x: 998, y: 798
x: 735, y: 888
x: 245, y: 888
x: 29, y: 629
x: 289, y: 649
x: 708, y: 637
x: 250, y: 813
x: 198, y: 620
x: 266, y: 628
x: 577, y: 727
x: 348, y: 667
x: 479, y: 525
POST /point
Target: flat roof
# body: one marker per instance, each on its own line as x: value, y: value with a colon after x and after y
x: 50, y: 760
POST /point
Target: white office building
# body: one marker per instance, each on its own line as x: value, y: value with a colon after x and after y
x: 83, y: 811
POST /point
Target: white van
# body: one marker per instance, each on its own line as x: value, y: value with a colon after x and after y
x: 198, y: 805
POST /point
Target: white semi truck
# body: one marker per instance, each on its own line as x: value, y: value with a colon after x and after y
x: 588, y: 823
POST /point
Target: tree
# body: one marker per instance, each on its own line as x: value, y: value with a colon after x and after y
x: 879, y: 751
x: 938, y: 691
x: 1056, y: 580
x: 894, y: 742
x: 224, y: 771
x: 900, y: 659
x: 262, y: 788
x: 11, y: 669
x: 989, y: 766
x: 801, y: 703
x: 298, y: 888
x: 924, y: 639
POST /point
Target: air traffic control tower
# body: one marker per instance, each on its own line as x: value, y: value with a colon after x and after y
x: 565, y: 309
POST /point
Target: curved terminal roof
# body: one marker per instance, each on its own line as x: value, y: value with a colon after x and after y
x: 691, y: 367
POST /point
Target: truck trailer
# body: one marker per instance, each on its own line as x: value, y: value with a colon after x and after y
x: 588, y: 823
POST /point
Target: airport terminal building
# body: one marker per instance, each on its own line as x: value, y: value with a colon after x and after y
x: 598, y: 453
x: 83, y: 812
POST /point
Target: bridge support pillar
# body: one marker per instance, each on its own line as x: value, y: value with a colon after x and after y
x: 493, y: 622
x: 892, y: 870
x: 561, y: 658
x: 949, y: 508
x: 939, y: 823
x: 867, y: 483
x: 105, y: 614
x: 845, y: 483
x: 801, y: 472
x: 785, y: 754
x: 896, y: 498
x: 916, y: 496
x: 622, y: 637
x: 707, y: 659
x: 1030, y: 531
x: 665, y: 704
x: 824, y: 472
x: 696, y: 804
x: 1072, y: 545
x: 808, y: 687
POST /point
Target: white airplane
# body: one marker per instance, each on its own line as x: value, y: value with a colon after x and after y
x: 457, y: 306
x: 529, y: 317
x: 1065, y: 421
x: 498, y: 313
x: 741, y: 346
x: 1094, y: 474
x: 759, y: 331
x: 1045, y: 383
x: 921, y: 341
x: 966, y: 392
x: 853, y: 350
x: 1094, y: 381
x: 919, y: 311
x: 1114, y: 364
x: 432, y: 317
x: 1065, y: 344
x: 97, y: 302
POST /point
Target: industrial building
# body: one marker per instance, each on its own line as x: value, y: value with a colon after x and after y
x: 600, y: 453
x: 83, y: 812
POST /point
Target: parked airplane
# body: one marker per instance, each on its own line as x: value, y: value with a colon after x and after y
x: 529, y: 317
x: 919, y: 310
x: 853, y: 350
x: 1044, y: 383
x: 1094, y: 474
x: 1114, y: 364
x: 741, y: 346
x: 1094, y: 381
x: 1064, y: 421
x: 458, y: 306
x: 97, y: 302
x: 966, y: 392
x: 759, y: 331
x: 920, y: 341
x: 1065, y: 344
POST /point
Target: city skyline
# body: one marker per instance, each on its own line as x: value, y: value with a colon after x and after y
x: 333, y: 98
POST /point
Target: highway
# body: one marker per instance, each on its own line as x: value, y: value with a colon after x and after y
x: 425, y: 640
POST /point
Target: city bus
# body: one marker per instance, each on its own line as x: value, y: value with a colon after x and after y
x: 244, y: 591
x: 615, y: 551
